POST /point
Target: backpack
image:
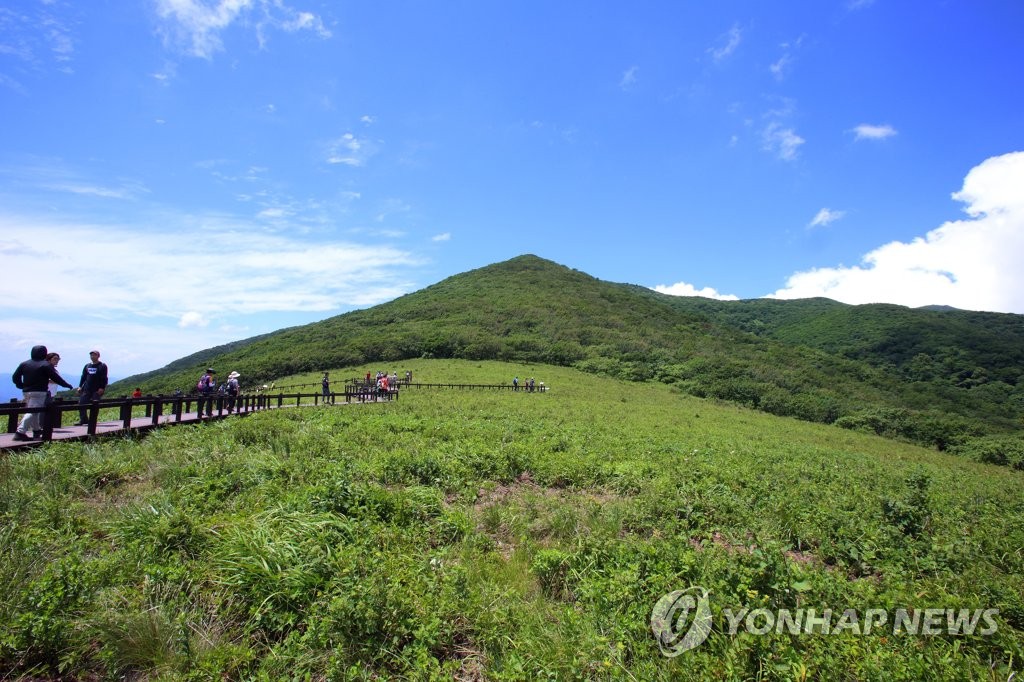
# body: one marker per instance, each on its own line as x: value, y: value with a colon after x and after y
x: 204, y: 383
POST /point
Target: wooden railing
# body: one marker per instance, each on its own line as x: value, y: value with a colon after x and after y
x: 500, y: 387
x: 164, y: 410
x: 362, y: 385
x: 177, y: 409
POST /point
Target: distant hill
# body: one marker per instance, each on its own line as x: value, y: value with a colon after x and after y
x: 940, y: 308
x: 814, y: 359
x: 958, y: 342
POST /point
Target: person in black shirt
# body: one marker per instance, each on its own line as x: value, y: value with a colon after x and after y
x: 91, y: 386
x: 33, y: 378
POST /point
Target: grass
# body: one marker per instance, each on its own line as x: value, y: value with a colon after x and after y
x: 484, y: 535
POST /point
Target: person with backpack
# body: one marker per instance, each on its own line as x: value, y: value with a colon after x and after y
x: 325, y: 387
x: 206, y: 387
x: 233, y: 390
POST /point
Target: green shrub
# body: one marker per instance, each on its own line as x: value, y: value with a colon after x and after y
x: 1002, y: 450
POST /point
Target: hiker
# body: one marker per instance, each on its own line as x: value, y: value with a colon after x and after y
x: 233, y: 390
x: 515, y: 383
x: 91, y: 386
x: 52, y: 386
x: 51, y: 390
x: 32, y: 377
x: 206, y: 387
x: 325, y: 387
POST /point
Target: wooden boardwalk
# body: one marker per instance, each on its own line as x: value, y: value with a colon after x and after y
x: 105, y: 428
x: 174, y: 410
x: 159, y: 412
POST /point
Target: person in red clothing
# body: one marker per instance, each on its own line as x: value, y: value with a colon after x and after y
x: 137, y: 393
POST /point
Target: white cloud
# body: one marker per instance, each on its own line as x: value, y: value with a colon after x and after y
x: 306, y: 21
x: 866, y: 131
x: 162, y: 286
x: 972, y: 264
x: 192, y: 319
x: 91, y: 190
x: 11, y: 84
x: 36, y: 36
x: 728, y: 44
x: 51, y: 175
x: 219, y: 265
x: 781, y: 141
x: 350, y: 150
x: 825, y: 217
x: 272, y: 214
x: 780, y: 67
x: 198, y: 24
x: 443, y: 237
x: 684, y: 289
x: 628, y: 78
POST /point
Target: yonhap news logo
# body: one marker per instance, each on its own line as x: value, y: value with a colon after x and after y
x: 682, y: 620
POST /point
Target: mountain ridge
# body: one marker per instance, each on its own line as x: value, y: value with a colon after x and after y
x: 814, y: 359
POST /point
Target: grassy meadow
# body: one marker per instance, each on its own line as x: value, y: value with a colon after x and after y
x: 476, y: 535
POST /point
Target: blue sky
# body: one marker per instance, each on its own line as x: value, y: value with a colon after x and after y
x: 176, y: 174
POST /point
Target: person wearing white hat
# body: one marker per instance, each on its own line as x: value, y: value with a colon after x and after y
x: 233, y: 390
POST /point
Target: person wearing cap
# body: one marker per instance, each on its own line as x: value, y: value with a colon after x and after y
x: 232, y: 390
x: 207, y: 386
x: 91, y: 386
x: 325, y: 387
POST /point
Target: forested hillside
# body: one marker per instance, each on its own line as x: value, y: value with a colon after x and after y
x: 935, y: 377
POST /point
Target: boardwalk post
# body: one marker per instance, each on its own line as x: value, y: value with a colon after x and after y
x: 59, y: 419
x: 126, y: 413
x: 94, y: 415
x: 177, y: 409
x: 12, y: 418
x: 50, y: 417
x: 158, y: 410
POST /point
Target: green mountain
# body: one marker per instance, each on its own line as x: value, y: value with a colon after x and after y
x: 936, y: 342
x: 931, y: 376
